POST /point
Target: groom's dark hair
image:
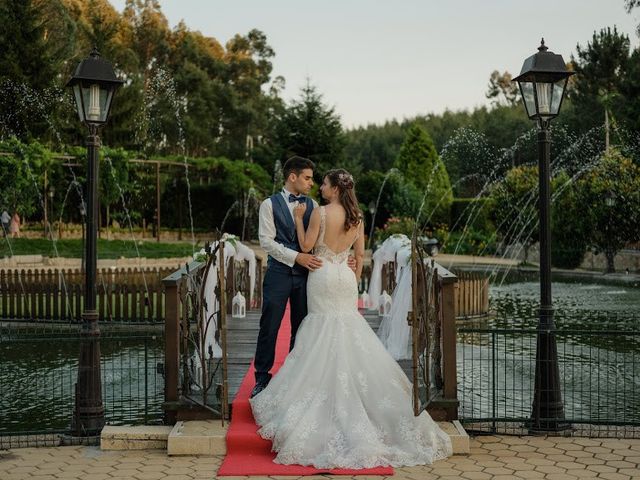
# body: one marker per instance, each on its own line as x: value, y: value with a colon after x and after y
x: 295, y: 165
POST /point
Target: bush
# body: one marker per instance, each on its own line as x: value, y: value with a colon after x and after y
x: 394, y: 226
x: 216, y: 184
x: 569, y: 230
x: 227, y: 182
x: 471, y: 242
x: 478, y: 208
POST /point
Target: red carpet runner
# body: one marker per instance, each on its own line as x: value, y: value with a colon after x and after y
x: 247, y: 452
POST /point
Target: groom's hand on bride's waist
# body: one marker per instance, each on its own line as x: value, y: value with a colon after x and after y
x: 309, y: 261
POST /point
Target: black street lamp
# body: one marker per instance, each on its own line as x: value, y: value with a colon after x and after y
x: 52, y: 192
x: 83, y: 212
x: 542, y: 83
x: 372, y: 211
x: 610, y: 202
x: 94, y: 83
x: 610, y: 199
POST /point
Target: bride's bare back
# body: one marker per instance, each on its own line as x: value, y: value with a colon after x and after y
x: 336, y: 238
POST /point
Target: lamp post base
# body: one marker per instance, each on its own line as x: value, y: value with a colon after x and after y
x: 547, y: 427
x: 72, y: 440
x: 547, y: 410
x: 88, y: 414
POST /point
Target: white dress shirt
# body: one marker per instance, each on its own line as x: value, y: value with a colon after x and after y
x: 267, y: 231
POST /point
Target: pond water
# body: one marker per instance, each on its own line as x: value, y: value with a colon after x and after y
x: 598, y: 342
x: 598, y: 348
x: 37, y: 379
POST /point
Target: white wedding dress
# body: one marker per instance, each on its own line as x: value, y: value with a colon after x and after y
x: 340, y: 400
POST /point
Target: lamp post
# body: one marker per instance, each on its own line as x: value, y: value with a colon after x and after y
x: 52, y: 192
x: 83, y: 212
x: 372, y: 211
x: 610, y: 199
x: 94, y: 83
x: 542, y: 83
x: 610, y: 202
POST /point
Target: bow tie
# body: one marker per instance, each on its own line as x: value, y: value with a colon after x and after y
x: 293, y: 198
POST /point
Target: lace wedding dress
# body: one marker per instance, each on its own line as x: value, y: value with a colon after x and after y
x: 340, y: 400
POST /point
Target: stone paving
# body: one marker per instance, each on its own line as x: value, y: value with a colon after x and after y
x: 492, y: 457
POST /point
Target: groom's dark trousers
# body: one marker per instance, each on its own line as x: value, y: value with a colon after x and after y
x: 278, y: 288
x: 281, y: 284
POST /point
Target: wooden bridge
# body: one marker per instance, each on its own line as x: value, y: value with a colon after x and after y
x: 198, y: 387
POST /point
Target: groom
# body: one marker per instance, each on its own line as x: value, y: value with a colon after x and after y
x: 287, y: 267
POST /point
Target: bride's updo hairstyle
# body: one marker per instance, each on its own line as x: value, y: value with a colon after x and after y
x: 342, y: 179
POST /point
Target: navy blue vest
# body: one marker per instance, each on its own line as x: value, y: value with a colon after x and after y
x: 286, y: 232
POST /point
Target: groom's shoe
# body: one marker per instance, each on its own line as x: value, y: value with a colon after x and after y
x: 258, y: 388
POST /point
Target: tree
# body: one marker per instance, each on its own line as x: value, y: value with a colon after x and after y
x: 149, y: 36
x: 159, y: 120
x: 515, y: 204
x: 23, y: 175
x: 502, y: 127
x: 199, y: 67
x: 610, y: 198
x: 502, y: 90
x: 114, y: 179
x: 398, y: 198
x: 27, y: 70
x: 98, y: 24
x: 375, y: 147
x: 629, y: 109
x: 515, y: 214
x: 468, y: 158
x: 630, y: 5
x: 600, y: 69
x: 569, y: 231
x: 248, y: 70
x: 224, y: 180
x: 312, y: 129
x: 420, y: 164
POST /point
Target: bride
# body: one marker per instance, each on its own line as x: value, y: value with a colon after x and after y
x: 340, y: 400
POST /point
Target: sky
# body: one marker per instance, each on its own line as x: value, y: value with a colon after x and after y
x: 375, y: 60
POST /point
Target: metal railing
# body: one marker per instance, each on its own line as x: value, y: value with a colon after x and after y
x: 196, y: 375
x: 37, y: 382
x: 433, y: 336
x: 599, y: 377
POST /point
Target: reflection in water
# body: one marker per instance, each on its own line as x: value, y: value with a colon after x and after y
x: 598, y: 350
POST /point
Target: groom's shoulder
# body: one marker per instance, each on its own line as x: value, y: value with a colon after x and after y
x: 267, y: 202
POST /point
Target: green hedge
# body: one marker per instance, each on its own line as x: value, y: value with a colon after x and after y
x: 478, y: 208
x: 215, y: 184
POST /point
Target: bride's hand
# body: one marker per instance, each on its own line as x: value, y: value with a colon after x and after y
x: 299, y: 210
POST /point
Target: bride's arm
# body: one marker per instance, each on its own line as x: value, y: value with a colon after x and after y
x: 307, y: 239
x: 359, y: 251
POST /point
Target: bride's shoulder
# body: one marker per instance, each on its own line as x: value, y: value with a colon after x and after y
x: 334, y: 208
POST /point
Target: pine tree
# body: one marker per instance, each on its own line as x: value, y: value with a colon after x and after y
x: 600, y: 68
x: 27, y: 70
x: 313, y: 130
x: 420, y: 164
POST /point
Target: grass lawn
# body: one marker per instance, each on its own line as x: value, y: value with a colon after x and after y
x: 72, y: 248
